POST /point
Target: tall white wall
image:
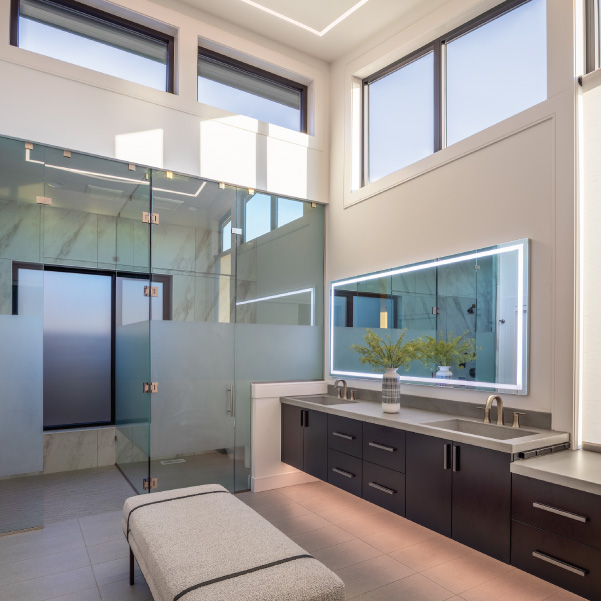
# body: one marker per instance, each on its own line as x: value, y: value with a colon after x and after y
x: 49, y: 101
x: 514, y: 180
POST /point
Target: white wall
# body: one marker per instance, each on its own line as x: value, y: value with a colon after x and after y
x: 513, y: 180
x: 48, y: 101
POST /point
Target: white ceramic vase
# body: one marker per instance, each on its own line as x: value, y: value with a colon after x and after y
x: 391, y: 391
x: 444, y: 372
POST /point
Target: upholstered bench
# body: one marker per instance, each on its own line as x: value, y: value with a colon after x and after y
x: 203, y: 544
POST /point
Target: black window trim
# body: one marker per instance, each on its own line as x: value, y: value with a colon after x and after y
x: 228, y: 61
x: 105, y: 17
x: 166, y: 280
x: 437, y: 47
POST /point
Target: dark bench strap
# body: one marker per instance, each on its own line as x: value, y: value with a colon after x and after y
x: 198, y: 494
x: 242, y: 573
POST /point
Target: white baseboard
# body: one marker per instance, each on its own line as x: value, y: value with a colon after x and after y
x: 279, y: 481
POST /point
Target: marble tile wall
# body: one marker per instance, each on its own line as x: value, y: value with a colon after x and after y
x: 78, y: 449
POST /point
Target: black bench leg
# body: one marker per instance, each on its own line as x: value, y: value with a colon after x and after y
x: 131, y: 566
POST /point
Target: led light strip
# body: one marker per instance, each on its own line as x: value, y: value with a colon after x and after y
x: 284, y: 294
x: 476, y: 255
x: 321, y: 33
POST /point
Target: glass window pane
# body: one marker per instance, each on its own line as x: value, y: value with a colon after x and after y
x: 226, y: 236
x: 257, y: 216
x: 132, y: 304
x: 247, y: 94
x: 401, y: 117
x: 289, y: 210
x: 77, y: 348
x: 81, y: 40
x: 497, y: 70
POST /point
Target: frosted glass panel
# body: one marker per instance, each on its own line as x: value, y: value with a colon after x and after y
x: 77, y: 348
x: 401, y: 117
x: 497, y: 70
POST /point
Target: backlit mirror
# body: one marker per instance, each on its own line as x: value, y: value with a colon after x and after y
x: 480, y: 296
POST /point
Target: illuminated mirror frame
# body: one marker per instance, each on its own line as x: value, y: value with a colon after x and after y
x: 521, y: 385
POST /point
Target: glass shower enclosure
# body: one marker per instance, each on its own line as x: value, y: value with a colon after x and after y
x: 212, y: 287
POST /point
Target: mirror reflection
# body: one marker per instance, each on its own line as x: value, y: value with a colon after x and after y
x: 476, y: 300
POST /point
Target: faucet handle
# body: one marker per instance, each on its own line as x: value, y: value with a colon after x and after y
x: 516, y: 419
x: 350, y: 396
x: 486, y: 415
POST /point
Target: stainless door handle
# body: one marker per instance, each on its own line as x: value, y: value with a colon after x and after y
x: 231, y: 391
x: 343, y: 473
x: 377, y: 486
x: 382, y: 447
x: 345, y: 436
x: 565, y: 514
x: 455, y: 458
x: 445, y: 460
x: 560, y: 564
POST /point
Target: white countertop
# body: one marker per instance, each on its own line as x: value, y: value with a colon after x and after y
x: 416, y: 420
x: 575, y: 469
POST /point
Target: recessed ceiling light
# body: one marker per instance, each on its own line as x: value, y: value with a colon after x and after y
x: 321, y: 33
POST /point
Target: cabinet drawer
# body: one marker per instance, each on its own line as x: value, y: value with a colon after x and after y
x: 384, y: 487
x: 344, y: 472
x: 345, y: 435
x: 384, y: 446
x: 558, y: 509
x: 566, y: 563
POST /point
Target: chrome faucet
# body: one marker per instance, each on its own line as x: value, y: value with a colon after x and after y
x: 338, y: 391
x: 488, y: 407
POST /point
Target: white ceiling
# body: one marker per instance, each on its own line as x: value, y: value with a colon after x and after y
x: 363, y: 24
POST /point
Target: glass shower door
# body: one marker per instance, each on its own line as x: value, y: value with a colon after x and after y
x: 192, y: 439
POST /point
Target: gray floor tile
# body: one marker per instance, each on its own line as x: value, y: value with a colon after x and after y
x: 48, y: 531
x: 412, y: 588
x: 321, y: 538
x: 105, y: 534
x: 346, y: 554
x: 101, y: 520
x: 302, y: 523
x: 43, y: 566
x: 113, y: 571
x: 49, y: 587
x: 108, y: 551
x: 123, y: 591
x: 369, y: 575
x: 56, y: 544
x: 91, y: 594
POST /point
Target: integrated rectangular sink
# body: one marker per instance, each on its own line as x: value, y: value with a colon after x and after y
x: 323, y: 399
x: 481, y: 429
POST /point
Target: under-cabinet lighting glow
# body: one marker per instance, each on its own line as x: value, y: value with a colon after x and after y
x: 476, y: 255
x: 282, y: 295
x: 321, y: 33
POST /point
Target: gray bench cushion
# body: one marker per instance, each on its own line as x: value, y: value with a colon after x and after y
x: 182, y: 543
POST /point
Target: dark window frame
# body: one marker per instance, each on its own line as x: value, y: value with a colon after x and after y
x: 253, y: 71
x: 592, y: 37
x: 105, y: 17
x: 437, y: 47
x: 166, y: 280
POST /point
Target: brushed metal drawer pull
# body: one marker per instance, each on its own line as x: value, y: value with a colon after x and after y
x: 382, y: 447
x: 377, y: 486
x: 343, y: 473
x: 560, y: 564
x: 565, y: 514
x: 345, y: 436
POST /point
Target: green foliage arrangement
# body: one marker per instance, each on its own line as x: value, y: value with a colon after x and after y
x: 456, y: 350
x: 384, y: 354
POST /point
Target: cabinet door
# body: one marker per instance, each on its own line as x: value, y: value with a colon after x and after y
x: 292, y: 436
x: 428, y: 482
x: 482, y: 500
x: 315, y: 454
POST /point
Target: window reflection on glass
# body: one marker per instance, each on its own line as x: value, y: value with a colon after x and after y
x: 496, y: 70
x: 401, y: 117
x: 226, y: 236
x: 81, y: 40
x: 257, y: 216
x: 288, y: 210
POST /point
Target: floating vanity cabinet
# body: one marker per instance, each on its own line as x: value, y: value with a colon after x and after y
x: 461, y: 491
x: 556, y: 535
x: 384, y: 446
x: 304, y: 440
x: 384, y: 487
x: 345, y: 471
x: 429, y: 483
x: 481, y: 516
x: 345, y: 435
